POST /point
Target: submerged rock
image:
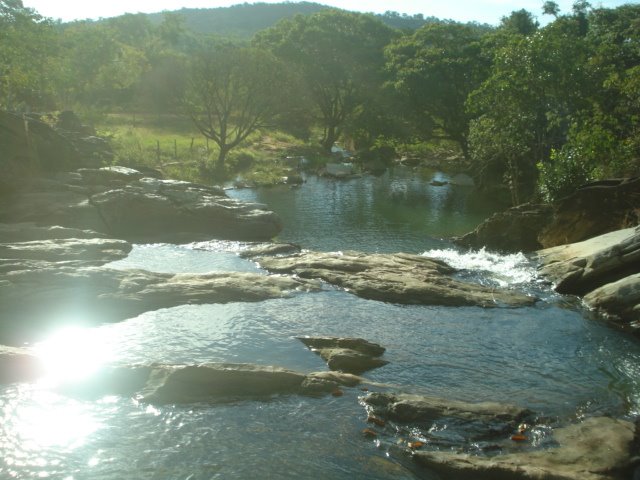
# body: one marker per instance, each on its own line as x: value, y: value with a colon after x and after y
x: 399, y: 278
x: 595, y: 449
x: 351, y: 355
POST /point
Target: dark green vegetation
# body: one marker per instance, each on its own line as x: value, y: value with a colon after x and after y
x: 535, y: 110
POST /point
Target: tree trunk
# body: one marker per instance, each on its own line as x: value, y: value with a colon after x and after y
x: 222, y: 156
x: 329, y: 138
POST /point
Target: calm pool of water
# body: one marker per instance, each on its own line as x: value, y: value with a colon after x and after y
x: 552, y: 357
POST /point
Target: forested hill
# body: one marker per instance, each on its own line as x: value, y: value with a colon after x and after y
x: 244, y: 20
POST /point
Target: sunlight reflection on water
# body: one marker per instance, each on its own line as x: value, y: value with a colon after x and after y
x: 72, y: 354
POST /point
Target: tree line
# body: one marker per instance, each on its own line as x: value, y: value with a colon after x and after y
x: 536, y: 110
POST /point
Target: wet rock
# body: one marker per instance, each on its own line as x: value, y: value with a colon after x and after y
x: 18, y: 365
x: 351, y: 355
x: 514, y: 230
x: 29, y: 231
x: 71, y: 251
x: 34, y: 299
x: 269, y: 249
x: 418, y: 408
x: 223, y: 382
x: 603, y: 269
x: 358, y: 344
x: 595, y: 449
x: 399, y: 278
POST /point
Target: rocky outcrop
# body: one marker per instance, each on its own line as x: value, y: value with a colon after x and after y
x: 121, y: 203
x: 32, y: 298
x: 604, y: 269
x: 350, y: 355
x: 398, y: 278
x: 594, y: 209
x: 514, y: 230
x: 595, y: 449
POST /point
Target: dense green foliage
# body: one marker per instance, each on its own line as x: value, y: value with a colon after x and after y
x: 535, y: 110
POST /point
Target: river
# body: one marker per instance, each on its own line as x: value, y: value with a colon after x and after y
x: 554, y: 358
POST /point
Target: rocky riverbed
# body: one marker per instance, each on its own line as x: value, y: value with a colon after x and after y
x: 60, y: 233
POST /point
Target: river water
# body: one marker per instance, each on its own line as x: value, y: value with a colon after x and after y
x: 554, y: 358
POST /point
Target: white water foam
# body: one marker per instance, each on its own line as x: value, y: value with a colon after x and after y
x: 504, y: 269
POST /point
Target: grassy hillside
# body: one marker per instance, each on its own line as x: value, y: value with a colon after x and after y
x: 244, y: 20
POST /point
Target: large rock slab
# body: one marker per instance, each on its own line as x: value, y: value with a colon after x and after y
x: 121, y: 203
x: 603, y: 269
x: 595, y: 449
x: 29, y: 231
x: 580, y: 267
x: 33, y: 299
x: 398, y: 278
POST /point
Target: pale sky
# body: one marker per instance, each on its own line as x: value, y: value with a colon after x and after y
x: 483, y: 11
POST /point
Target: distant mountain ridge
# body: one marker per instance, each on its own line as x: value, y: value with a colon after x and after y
x: 244, y: 20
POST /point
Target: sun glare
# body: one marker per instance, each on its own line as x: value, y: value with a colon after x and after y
x: 71, y: 355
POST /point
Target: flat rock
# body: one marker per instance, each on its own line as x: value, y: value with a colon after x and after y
x: 80, y: 251
x: 352, y: 355
x: 419, y: 408
x: 29, y: 231
x: 595, y: 449
x: 398, y: 278
x: 32, y: 299
x: 358, y: 344
x: 263, y: 249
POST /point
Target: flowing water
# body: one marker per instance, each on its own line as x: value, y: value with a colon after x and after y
x: 553, y: 358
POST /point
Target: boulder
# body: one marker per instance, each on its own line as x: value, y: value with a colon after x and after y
x: 596, y: 449
x: 580, y: 267
x: 514, y: 230
x: 398, y: 278
x: 594, y: 209
x: 358, y: 344
x: 604, y: 269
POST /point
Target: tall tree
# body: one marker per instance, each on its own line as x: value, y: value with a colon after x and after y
x: 27, y: 57
x: 232, y: 92
x: 339, y: 57
x: 435, y: 70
